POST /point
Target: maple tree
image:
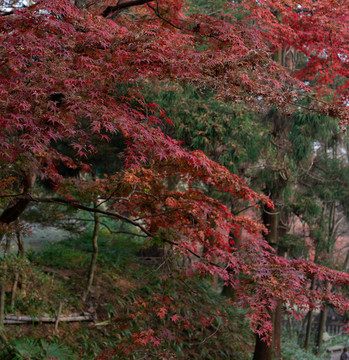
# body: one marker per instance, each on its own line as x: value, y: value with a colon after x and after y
x: 62, y: 68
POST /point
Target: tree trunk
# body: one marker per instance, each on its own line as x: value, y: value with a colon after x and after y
x: 346, y: 262
x: 277, y: 331
x: 14, y: 289
x: 3, y: 281
x: 16, y: 275
x: 321, y: 329
x: 271, y: 221
x: 262, y: 350
x: 276, y: 229
x: 94, y: 256
x: 308, y: 331
x: 21, y: 251
x: 309, y: 323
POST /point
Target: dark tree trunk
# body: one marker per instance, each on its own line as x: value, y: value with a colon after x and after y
x: 308, y: 331
x: 321, y: 329
x: 262, y: 350
x: 271, y: 220
x: 277, y: 331
x: 309, y: 323
x: 3, y: 281
x: 20, y: 244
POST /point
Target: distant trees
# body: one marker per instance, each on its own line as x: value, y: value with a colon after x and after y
x: 73, y: 84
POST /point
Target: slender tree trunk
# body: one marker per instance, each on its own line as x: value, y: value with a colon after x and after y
x: 321, y: 329
x: 271, y: 220
x: 309, y: 323
x: 14, y: 289
x: 308, y: 331
x: 94, y: 256
x: 16, y: 275
x: 346, y: 262
x: 3, y: 281
x: 20, y: 244
x: 263, y: 351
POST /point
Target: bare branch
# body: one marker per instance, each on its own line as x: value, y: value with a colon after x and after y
x: 111, y: 231
x: 156, y: 11
x: 76, y: 205
x: 122, y: 5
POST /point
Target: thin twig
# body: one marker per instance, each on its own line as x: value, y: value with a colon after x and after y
x: 156, y: 11
x: 215, y: 332
x: 58, y: 315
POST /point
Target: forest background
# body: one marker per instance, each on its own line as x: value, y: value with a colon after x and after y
x: 248, y: 204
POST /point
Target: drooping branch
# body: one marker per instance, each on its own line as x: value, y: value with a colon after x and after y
x: 76, y: 205
x: 111, y: 231
x: 156, y: 11
x: 123, y: 5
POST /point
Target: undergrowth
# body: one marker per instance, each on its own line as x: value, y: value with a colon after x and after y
x: 141, y: 310
x: 292, y: 351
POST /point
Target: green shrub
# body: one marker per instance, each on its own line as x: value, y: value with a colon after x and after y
x: 291, y: 351
x: 33, y: 349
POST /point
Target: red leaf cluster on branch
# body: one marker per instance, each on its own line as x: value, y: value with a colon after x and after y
x: 60, y: 76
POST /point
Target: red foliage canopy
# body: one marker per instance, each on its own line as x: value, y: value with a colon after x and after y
x: 60, y: 72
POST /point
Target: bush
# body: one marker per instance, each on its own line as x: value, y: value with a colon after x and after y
x: 32, y: 349
x: 291, y: 351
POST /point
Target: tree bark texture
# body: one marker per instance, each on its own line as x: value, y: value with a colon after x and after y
x: 321, y: 329
x: 308, y: 331
x: 309, y: 323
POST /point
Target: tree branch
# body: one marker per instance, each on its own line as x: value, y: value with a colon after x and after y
x: 123, y: 5
x: 156, y: 11
x: 76, y: 205
x: 113, y: 231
